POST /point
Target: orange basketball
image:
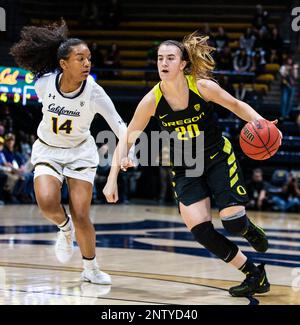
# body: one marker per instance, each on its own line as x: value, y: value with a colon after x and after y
x: 260, y: 139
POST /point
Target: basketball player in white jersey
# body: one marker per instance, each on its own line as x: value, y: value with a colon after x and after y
x: 65, y: 148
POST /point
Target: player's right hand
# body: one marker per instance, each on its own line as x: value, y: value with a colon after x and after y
x: 111, y: 191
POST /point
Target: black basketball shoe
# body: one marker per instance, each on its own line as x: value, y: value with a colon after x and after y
x: 254, y: 283
x: 256, y: 238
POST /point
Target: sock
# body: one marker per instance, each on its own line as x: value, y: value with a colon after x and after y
x: 90, y: 263
x: 249, y: 267
x: 66, y: 225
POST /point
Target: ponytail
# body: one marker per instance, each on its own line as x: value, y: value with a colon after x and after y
x: 201, y: 63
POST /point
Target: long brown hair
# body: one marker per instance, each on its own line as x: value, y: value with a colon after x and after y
x: 40, y: 48
x: 199, y: 52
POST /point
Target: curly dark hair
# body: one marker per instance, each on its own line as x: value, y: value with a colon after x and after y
x: 40, y: 48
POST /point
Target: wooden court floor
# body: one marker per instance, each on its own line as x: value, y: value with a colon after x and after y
x: 151, y: 256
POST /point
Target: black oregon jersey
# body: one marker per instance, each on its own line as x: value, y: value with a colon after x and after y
x: 189, y: 123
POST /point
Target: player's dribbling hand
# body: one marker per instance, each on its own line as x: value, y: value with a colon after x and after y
x: 111, y: 192
x: 275, y: 122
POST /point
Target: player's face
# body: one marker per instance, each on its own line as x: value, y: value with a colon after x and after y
x: 169, y: 62
x: 78, y: 64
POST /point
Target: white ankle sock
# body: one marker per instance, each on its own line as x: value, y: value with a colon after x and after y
x: 90, y: 264
x: 65, y: 226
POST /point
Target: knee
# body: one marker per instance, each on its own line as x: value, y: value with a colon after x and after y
x: 47, y: 203
x: 81, y: 219
x: 215, y: 242
x: 237, y: 223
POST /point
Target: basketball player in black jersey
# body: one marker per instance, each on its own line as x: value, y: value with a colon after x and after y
x: 180, y: 104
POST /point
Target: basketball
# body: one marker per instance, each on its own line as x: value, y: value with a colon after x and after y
x: 260, y: 139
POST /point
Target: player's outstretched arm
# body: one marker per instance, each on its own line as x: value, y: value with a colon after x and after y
x: 142, y: 115
x: 211, y: 91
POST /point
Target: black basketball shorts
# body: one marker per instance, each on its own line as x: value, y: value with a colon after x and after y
x: 222, y: 179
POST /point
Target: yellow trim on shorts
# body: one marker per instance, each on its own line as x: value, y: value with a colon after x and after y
x: 48, y: 165
x: 233, y: 169
x: 234, y: 180
x: 79, y: 169
x: 231, y: 159
x: 227, y: 146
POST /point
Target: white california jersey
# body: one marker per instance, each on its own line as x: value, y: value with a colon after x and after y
x: 66, y: 120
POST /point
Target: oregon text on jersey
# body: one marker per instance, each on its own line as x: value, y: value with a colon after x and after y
x: 185, y: 121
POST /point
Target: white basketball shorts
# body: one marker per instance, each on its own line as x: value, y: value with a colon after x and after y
x: 80, y: 162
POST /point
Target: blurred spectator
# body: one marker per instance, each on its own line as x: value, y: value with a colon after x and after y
x: 6, y: 119
x: 90, y: 14
x: 247, y: 41
x: 289, y: 197
x: 289, y: 75
x: 224, y: 59
x: 113, y: 13
x: 113, y: 60
x: 241, y: 61
x: 258, y: 62
x: 221, y: 39
x: 10, y: 169
x: 97, y: 56
x: 260, y: 19
x: 32, y: 139
x: 256, y: 189
x: 25, y: 146
x: 275, y: 57
x: 274, y: 46
x: 97, y: 59
x: 20, y: 176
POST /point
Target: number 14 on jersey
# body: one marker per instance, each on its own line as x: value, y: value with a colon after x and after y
x: 65, y: 126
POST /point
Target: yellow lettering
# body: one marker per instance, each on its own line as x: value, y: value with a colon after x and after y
x: 8, y: 79
x: 17, y: 98
x: 29, y: 78
x: 187, y: 120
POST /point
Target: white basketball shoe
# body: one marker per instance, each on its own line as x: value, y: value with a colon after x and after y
x: 64, y: 247
x: 91, y: 272
x: 95, y: 276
